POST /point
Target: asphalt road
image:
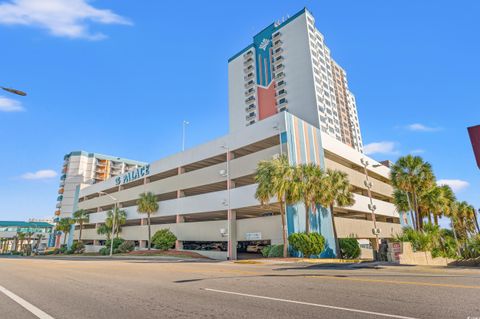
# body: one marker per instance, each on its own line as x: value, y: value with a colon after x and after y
x: 170, y: 289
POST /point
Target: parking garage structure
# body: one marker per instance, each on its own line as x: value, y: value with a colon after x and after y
x: 206, y: 193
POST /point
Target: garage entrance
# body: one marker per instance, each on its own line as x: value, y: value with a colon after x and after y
x: 251, y: 249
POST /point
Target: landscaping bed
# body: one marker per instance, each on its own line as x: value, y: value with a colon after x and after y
x: 171, y: 253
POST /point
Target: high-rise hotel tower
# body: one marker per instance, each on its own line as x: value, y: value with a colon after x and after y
x: 81, y: 169
x: 288, y: 67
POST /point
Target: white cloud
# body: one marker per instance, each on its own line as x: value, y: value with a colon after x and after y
x: 456, y: 184
x: 9, y: 105
x: 417, y: 127
x: 41, y: 174
x: 63, y: 18
x: 380, y: 148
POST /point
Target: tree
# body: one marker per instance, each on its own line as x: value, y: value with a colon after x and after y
x: 449, y: 199
x: 103, y: 229
x: 432, y: 202
x: 306, y: 187
x: 81, y: 217
x: 274, y: 179
x: 64, y: 225
x: 412, y: 175
x: 336, y: 191
x: 147, y: 204
x: 465, y: 214
x: 120, y: 219
x: 21, y: 238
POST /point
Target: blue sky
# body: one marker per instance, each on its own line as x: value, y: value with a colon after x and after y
x: 119, y: 77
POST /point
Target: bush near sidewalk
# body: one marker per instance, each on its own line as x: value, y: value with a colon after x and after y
x: 272, y: 251
x: 350, y: 248
x: 308, y: 244
x: 164, y: 239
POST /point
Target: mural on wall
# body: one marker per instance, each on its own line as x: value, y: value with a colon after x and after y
x: 304, y: 146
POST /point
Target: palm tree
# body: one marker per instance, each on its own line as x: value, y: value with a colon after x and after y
x: 21, y: 238
x: 104, y: 230
x: 274, y: 179
x: 432, y: 202
x: 449, y: 199
x: 412, y: 175
x: 336, y: 191
x: 147, y: 204
x: 64, y: 225
x: 465, y: 218
x: 81, y: 217
x: 306, y: 187
x: 120, y: 219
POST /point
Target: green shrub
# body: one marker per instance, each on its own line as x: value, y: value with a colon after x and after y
x: 77, y: 248
x: 350, y: 248
x: 126, y: 247
x: 116, y: 243
x: 275, y: 251
x: 63, y: 249
x: 104, y: 251
x: 164, y: 239
x: 266, y: 250
x: 308, y: 244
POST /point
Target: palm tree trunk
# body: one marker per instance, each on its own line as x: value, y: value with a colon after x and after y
x: 429, y: 218
x: 417, y: 212
x: 284, y: 230
x: 149, y: 232
x: 65, y: 238
x: 307, y: 218
x: 337, y: 245
x: 80, y: 234
x: 435, y: 219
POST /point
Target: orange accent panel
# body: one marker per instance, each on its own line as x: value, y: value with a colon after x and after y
x: 266, y: 101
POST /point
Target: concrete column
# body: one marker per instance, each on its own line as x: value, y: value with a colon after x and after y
x: 232, y: 235
x: 179, y: 218
x: 143, y: 244
x: 179, y: 243
x: 96, y: 242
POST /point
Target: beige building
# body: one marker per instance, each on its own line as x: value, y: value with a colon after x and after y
x: 206, y: 194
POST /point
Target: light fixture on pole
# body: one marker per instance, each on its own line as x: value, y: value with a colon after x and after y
x: 184, y: 124
x: 114, y: 217
x: 13, y: 91
x: 368, y: 184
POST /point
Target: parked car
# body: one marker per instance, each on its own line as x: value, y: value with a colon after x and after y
x: 257, y: 248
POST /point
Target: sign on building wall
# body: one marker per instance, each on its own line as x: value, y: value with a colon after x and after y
x: 253, y: 236
x: 133, y: 175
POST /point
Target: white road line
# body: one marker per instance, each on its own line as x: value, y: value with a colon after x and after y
x: 25, y: 304
x: 310, y: 304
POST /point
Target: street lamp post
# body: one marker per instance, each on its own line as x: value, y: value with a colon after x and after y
x: 184, y: 124
x: 114, y: 217
x: 371, y: 206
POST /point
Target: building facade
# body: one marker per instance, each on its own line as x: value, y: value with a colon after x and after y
x: 206, y: 194
x: 289, y: 67
x: 18, y: 235
x: 81, y: 169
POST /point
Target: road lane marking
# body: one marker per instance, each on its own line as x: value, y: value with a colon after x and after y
x: 418, y: 283
x: 25, y: 304
x: 310, y: 304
